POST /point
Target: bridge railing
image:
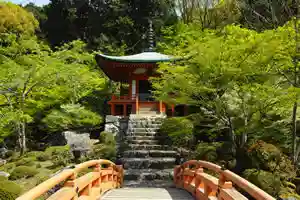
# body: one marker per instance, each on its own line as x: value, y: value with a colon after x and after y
x: 89, y: 186
x: 203, y: 186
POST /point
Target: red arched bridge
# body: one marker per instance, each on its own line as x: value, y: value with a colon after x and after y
x: 192, y: 180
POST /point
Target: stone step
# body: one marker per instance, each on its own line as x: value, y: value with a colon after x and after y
x: 148, y: 184
x: 148, y: 163
x: 148, y: 174
x: 136, y: 130
x: 149, y: 147
x: 148, y: 153
x: 141, y: 142
x: 142, y: 134
x: 144, y: 137
x: 144, y: 125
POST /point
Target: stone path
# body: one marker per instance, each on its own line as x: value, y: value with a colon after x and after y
x: 146, y: 194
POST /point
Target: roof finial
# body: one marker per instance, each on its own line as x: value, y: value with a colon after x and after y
x: 150, y: 37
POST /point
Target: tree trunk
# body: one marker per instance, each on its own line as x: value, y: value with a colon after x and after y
x: 23, y: 138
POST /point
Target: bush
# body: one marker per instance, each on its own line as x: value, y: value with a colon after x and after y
x: 57, y: 150
x: 60, y: 155
x: 5, y: 195
x: 8, y: 167
x: 179, y: 129
x: 38, y: 165
x: 10, y: 187
x: 107, y: 138
x: 9, y: 154
x: 269, y: 158
x: 43, y: 156
x: 26, y: 161
x: 104, y: 152
x: 41, y: 179
x: 207, y: 151
x: 267, y: 181
x: 23, y: 172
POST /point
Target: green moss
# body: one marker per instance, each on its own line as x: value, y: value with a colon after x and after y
x: 23, y: 172
x: 8, y: 167
x: 11, y: 187
x: 26, y: 161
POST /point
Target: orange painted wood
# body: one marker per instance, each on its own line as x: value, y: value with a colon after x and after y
x: 191, y: 177
x: 90, y: 185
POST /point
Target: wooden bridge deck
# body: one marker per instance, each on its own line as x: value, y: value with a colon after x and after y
x: 147, y: 194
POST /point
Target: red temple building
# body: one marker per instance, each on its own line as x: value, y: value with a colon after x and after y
x: 135, y: 71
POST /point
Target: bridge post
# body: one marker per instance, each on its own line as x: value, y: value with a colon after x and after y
x: 71, y: 182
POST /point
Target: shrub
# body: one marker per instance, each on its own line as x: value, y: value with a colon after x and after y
x: 268, y: 157
x: 9, y: 154
x: 107, y: 138
x: 8, y: 167
x: 10, y: 187
x: 43, y: 156
x: 38, y: 165
x: 57, y: 150
x: 5, y: 195
x: 26, y: 161
x: 207, y: 151
x: 104, y: 152
x: 40, y: 179
x: 60, y: 155
x: 179, y: 129
x: 267, y: 181
x: 23, y: 172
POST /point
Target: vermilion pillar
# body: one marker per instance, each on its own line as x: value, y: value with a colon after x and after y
x: 112, y: 109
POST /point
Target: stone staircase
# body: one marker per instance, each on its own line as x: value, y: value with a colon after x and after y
x: 147, y: 163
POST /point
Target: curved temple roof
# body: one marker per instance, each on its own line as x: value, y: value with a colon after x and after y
x: 148, y: 57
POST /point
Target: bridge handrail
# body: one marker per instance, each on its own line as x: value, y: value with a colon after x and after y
x: 191, y: 177
x: 70, y: 177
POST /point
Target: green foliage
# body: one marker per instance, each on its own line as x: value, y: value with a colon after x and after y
x: 23, y: 172
x: 207, y: 151
x: 8, y: 167
x: 3, y: 178
x: 41, y: 178
x: 71, y: 116
x: 102, y: 151
x: 26, y: 161
x: 44, y: 79
x: 43, y: 156
x: 11, y: 187
x: 5, y: 195
x: 269, y: 158
x: 38, y: 165
x: 265, y: 180
x: 179, y: 129
x: 14, y: 19
x: 60, y: 155
x: 107, y: 138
